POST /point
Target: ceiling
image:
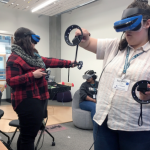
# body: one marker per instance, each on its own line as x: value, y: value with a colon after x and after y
x: 55, y: 8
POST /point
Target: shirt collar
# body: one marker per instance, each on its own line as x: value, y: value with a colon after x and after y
x: 144, y: 48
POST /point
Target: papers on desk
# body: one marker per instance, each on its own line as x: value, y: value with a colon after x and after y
x: 51, y: 87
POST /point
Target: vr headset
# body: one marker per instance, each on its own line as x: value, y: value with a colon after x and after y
x: 34, y: 38
x: 132, y: 20
x: 88, y: 76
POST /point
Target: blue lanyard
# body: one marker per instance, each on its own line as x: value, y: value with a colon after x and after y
x: 94, y: 86
x: 127, y: 64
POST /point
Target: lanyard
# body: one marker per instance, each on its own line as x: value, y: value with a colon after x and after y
x: 94, y: 86
x: 127, y: 64
x: 36, y: 54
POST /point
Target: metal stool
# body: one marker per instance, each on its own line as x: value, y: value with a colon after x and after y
x: 15, y: 123
x: 6, y: 144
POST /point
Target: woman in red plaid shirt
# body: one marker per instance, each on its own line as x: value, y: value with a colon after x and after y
x: 25, y: 74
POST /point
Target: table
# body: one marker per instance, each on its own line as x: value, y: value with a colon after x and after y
x: 55, y: 88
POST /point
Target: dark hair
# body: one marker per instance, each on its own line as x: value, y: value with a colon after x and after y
x: 91, y: 72
x: 142, y: 4
x: 23, y: 40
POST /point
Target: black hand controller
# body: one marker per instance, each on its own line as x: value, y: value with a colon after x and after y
x: 77, y: 39
x: 143, y: 88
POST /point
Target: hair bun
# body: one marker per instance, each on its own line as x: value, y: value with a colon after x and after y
x: 142, y: 1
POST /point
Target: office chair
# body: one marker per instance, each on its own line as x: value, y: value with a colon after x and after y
x: 6, y: 144
x: 15, y: 123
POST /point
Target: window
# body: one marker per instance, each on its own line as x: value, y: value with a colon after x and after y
x: 5, y: 51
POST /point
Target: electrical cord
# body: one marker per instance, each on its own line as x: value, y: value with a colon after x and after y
x: 68, y: 73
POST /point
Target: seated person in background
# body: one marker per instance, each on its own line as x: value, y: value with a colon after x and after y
x: 88, y: 92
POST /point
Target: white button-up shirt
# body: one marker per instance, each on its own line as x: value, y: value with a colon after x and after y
x: 122, y: 110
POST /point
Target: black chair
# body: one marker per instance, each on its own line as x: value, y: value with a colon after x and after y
x: 15, y: 123
x: 8, y: 141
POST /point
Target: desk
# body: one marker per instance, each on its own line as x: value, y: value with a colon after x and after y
x: 55, y: 88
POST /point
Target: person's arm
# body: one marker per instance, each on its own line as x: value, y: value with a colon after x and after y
x: 83, y: 93
x: 101, y: 47
x: 91, y: 45
x: 90, y: 99
x: 87, y: 42
x: 15, y: 76
x: 56, y: 63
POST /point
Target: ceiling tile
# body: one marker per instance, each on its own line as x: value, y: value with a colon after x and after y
x: 54, y: 8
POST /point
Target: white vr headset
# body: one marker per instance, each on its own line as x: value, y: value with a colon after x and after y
x: 88, y: 76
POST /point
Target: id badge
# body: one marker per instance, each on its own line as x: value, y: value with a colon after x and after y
x: 120, y: 84
x: 94, y: 96
x: 91, y: 89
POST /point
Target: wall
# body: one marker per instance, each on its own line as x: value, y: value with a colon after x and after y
x: 98, y: 18
x: 55, y: 44
x: 10, y: 20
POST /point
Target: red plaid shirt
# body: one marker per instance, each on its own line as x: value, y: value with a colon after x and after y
x: 20, y: 78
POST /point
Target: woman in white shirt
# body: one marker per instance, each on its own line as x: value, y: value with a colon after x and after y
x: 117, y: 113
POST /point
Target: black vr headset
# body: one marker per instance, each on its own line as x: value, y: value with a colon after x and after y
x: 132, y: 19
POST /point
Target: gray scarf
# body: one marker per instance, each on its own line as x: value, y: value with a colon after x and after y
x: 35, y: 61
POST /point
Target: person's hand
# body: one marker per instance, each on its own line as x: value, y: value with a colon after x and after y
x: 145, y: 96
x: 94, y: 100
x: 86, y: 36
x: 73, y: 64
x: 39, y: 73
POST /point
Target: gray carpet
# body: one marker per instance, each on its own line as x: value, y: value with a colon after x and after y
x: 70, y: 139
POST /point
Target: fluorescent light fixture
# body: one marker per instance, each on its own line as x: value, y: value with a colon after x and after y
x: 5, y: 33
x: 87, y: 3
x: 43, y: 5
x: 4, y: 1
x: 1, y: 31
x: 69, y: 10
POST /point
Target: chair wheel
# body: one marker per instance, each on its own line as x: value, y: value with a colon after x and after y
x: 53, y: 143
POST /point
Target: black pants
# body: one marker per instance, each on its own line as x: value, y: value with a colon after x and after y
x: 30, y: 113
x: 107, y: 139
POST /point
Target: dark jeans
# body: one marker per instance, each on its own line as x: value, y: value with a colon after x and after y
x: 107, y: 139
x: 30, y: 113
x: 88, y: 106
